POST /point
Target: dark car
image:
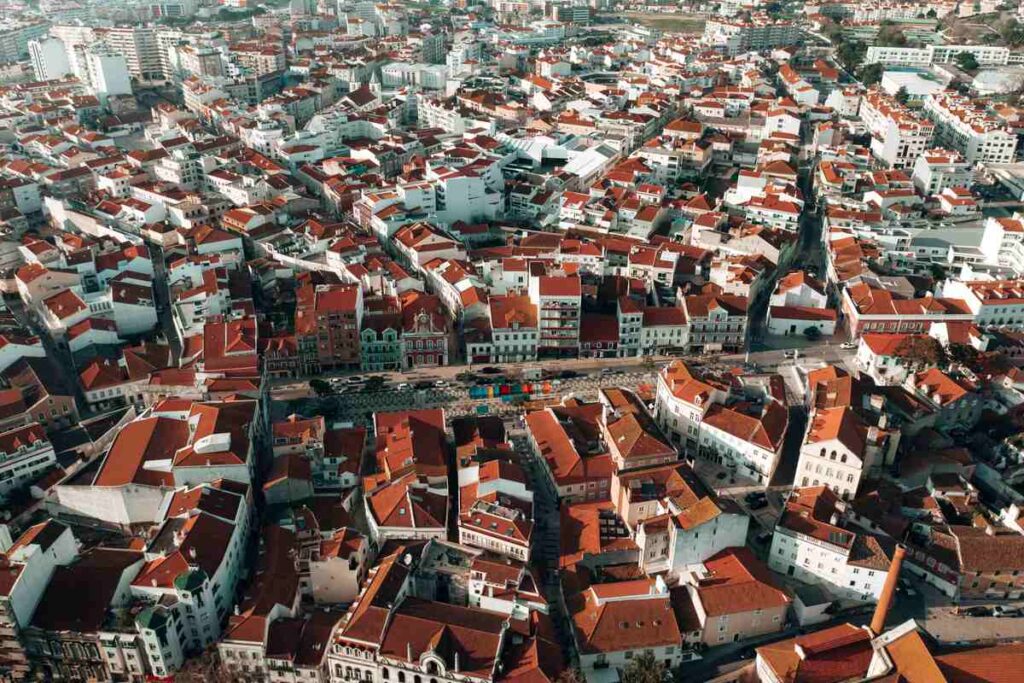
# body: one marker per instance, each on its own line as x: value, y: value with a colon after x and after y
x: 568, y: 374
x: 757, y: 504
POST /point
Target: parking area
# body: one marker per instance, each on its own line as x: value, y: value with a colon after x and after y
x: 960, y: 625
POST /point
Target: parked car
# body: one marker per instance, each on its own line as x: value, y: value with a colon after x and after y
x: 490, y: 370
x: 1005, y: 611
x: 403, y: 386
x: 978, y: 611
x: 848, y: 345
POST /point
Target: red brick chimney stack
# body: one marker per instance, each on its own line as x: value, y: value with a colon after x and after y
x: 888, y: 592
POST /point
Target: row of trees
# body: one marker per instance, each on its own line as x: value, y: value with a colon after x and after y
x: 644, y: 668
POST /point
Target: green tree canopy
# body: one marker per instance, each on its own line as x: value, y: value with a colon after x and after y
x: 871, y: 74
x: 966, y: 61
x: 644, y: 668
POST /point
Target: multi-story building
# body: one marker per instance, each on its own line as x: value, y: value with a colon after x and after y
x: 139, y: 47
x: 645, y: 605
x: 718, y: 322
x: 201, y: 60
x: 681, y: 402
x: 327, y: 323
x: 634, y: 439
x: 28, y: 564
x: 25, y: 455
x: 558, y: 302
x: 987, y: 55
x: 380, y: 339
x: 514, y: 328
x: 63, y: 639
x: 937, y: 169
x: 814, y: 544
x: 998, y: 303
x: 735, y: 597
x: 839, y: 449
x: 964, y: 125
x: 262, y: 58
x: 425, y: 332
x: 871, y: 309
x: 745, y: 438
x: 735, y: 36
x: 49, y: 59
x: 107, y: 72
x: 898, y: 136
x: 677, y: 521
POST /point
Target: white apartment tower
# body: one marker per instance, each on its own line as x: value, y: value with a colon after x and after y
x: 49, y: 58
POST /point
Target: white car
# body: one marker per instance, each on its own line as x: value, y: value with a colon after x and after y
x: 848, y: 345
x: 791, y: 354
x: 403, y: 386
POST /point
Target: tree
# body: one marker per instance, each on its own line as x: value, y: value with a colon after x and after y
x: 890, y: 36
x: 966, y: 61
x: 920, y: 352
x: 851, y: 53
x: 320, y: 387
x: 373, y: 384
x: 571, y: 675
x: 963, y: 354
x: 645, y: 668
x: 205, y: 668
x: 932, y: 13
x: 812, y: 333
x: 902, y: 96
x: 871, y: 74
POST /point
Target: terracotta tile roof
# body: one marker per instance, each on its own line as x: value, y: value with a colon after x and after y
x: 833, y: 655
x: 591, y: 529
x: 139, y: 442
x: 841, y: 423
x: 411, y: 440
x: 604, y: 625
x: 64, y: 606
x: 766, y: 430
x: 565, y: 436
x: 404, y: 503
x: 369, y: 614
x: 738, y: 582
x: 940, y: 387
x: 449, y: 631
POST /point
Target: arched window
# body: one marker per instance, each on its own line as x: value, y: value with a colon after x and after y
x: 843, y: 458
x: 832, y: 455
x: 386, y: 674
x: 401, y: 677
x: 823, y: 452
x: 416, y: 679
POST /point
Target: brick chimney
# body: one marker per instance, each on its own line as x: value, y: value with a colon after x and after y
x: 888, y: 592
